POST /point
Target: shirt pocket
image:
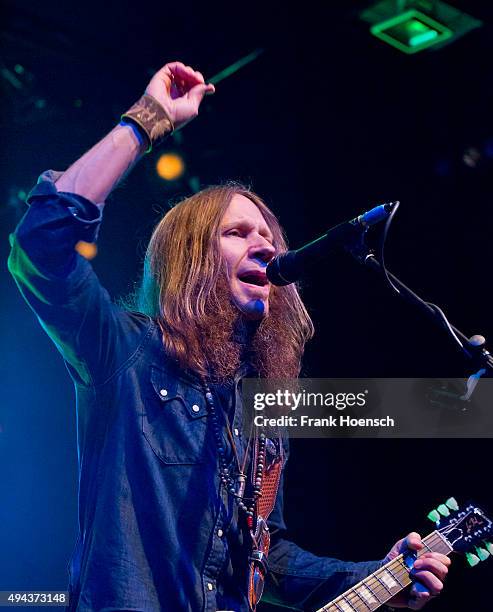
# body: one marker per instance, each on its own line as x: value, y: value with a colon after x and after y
x: 174, y: 421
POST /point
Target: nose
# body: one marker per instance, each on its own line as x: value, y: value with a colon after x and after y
x: 262, y: 250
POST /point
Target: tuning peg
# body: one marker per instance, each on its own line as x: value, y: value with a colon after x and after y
x: 433, y: 516
x: 489, y: 547
x: 482, y: 553
x: 472, y: 559
x: 444, y: 511
x: 452, y: 503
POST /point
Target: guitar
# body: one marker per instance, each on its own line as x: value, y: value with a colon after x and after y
x: 456, y: 530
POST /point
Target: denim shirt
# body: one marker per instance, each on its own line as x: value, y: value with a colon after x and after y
x: 157, y: 531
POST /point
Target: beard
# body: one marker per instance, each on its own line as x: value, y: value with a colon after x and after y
x: 229, y: 339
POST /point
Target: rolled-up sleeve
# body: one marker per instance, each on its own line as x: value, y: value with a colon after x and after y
x: 93, y: 334
x: 54, y: 223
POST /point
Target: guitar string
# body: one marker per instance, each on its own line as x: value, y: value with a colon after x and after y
x: 353, y: 596
x: 380, y: 594
x: 397, y: 565
x: 435, y: 538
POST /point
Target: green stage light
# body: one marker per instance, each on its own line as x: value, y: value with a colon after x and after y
x: 414, y: 25
x: 411, y: 31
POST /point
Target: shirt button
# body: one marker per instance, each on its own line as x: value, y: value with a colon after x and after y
x: 163, y: 392
x: 210, y: 586
x: 220, y: 533
x: 237, y: 433
x: 196, y: 408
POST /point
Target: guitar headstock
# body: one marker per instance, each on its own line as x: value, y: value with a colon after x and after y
x: 465, y: 529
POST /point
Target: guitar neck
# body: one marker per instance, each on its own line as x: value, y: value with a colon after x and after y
x: 382, y: 585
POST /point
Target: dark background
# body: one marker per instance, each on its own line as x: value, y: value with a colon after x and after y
x: 327, y: 122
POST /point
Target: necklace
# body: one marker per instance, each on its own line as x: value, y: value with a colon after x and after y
x: 236, y: 486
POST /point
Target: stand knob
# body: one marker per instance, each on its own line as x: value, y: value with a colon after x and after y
x: 477, y: 341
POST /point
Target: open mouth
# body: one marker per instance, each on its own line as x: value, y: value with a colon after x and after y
x: 254, y: 278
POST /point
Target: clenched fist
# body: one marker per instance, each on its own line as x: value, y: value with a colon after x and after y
x: 179, y: 89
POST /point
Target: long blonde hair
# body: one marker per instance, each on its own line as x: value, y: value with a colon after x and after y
x: 182, y: 272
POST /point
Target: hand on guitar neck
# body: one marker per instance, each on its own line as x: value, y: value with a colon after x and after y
x: 428, y: 573
x: 414, y: 570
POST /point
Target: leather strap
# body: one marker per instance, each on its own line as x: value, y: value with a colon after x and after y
x: 151, y: 118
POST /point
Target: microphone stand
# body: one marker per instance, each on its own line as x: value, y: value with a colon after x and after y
x: 474, y: 348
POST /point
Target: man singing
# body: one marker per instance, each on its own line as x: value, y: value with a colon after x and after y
x: 174, y: 494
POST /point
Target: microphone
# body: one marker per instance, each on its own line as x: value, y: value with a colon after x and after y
x: 288, y: 267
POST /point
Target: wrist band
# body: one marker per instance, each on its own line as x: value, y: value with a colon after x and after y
x: 148, y: 115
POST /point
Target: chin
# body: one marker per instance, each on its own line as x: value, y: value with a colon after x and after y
x: 255, y: 310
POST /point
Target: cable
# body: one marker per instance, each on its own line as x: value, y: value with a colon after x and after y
x: 437, y: 311
x: 381, y: 247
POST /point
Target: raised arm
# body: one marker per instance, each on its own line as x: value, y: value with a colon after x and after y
x: 178, y: 91
x: 93, y: 334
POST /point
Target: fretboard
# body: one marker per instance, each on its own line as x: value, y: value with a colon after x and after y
x: 382, y: 585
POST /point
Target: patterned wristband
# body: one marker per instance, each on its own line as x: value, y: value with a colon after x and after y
x: 151, y: 118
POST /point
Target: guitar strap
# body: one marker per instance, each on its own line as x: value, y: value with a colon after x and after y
x: 273, y: 460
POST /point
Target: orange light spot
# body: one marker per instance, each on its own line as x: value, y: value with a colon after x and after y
x: 89, y: 250
x: 170, y: 166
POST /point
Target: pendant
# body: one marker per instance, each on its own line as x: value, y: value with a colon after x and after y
x: 240, y: 485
